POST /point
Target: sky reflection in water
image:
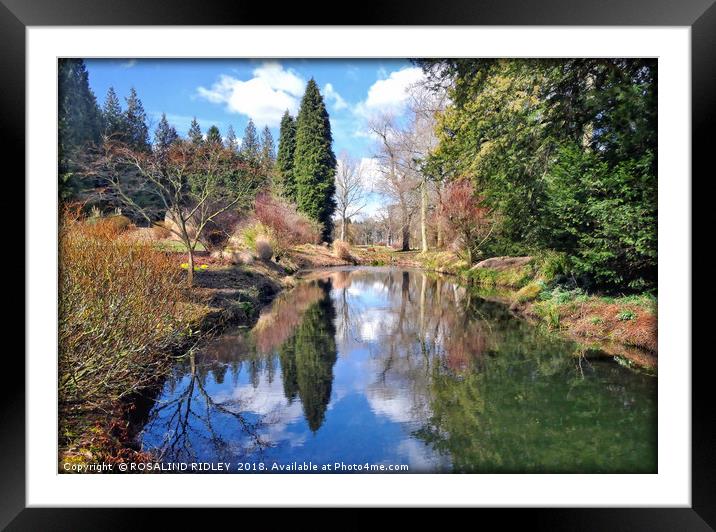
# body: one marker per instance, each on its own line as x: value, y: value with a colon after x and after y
x: 378, y: 365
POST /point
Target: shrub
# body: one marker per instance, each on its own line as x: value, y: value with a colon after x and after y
x: 119, y: 312
x: 264, y: 250
x: 342, y: 250
x: 160, y: 232
x: 288, y: 226
x: 626, y: 315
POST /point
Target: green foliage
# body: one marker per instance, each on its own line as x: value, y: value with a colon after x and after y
x: 315, y: 162
x: 250, y: 146
x: 626, y: 315
x: 213, y: 136
x: 79, y: 123
x: 164, y: 135
x: 136, y: 133
x: 194, y: 134
x: 564, y: 151
x: 284, y: 178
x: 268, y: 151
x: 113, y: 117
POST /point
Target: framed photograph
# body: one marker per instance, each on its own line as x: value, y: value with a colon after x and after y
x: 417, y: 261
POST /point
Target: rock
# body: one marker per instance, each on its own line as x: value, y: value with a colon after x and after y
x: 502, y: 263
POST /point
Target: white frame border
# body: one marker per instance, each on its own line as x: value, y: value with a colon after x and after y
x: 670, y: 487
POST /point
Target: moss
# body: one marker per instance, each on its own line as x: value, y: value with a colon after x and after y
x: 529, y: 292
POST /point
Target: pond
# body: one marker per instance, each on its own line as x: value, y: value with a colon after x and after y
x: 357, y: 368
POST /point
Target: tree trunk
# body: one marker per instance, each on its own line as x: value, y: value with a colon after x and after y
x: 424, y: 214
x: 190, y: 270
x: 343, y: 228
x: 406, y: 230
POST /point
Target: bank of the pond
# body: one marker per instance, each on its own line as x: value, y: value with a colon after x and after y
x: 224, y: 295
x: 621, y: 326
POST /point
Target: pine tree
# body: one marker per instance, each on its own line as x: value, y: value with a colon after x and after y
x: 137, y: 133
x: 268, y: 151
x: 284, y: 160
x: 113, y: 117
x: 213, y: 136
x: 314, y: 160
x: 79, y: 120
x: 232, y: 143
x: 164, y: 135
x: 195, y: 135
x: 250, y: 148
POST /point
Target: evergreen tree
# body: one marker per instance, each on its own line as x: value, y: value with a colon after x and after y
x: 315, y: 162
x: 213, y: 136
x: 79, y: 119
x: 195, y: 135
x: 250, y: 147
x: 164, y: 135
x: 137, y: 133
x: 268, y: 150
x: 284, y: 160
x: 113, y: 117
x: 232, y: 142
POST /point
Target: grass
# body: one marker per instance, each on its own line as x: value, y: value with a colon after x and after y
x: 174, y: 246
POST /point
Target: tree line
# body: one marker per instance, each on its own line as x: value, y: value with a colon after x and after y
x: 523, y: 156
x: 107, y: 158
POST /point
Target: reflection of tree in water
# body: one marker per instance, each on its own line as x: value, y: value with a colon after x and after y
x: 495, y: 393
x: 190, y: 418
x: 307, y: 359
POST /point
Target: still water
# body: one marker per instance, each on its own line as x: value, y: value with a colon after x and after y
x: 398, y: 367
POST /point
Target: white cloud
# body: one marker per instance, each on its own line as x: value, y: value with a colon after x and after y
x: 264, y: 98
x: 391, y: 93
x: 332, y: 95
x: 129, y: 64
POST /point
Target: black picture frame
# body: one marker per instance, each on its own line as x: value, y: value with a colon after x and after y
x: 699, y: 15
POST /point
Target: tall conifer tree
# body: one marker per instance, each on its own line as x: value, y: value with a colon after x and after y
x: 213, y: 136
x: 268, y: 151
x: 137, y: 132
x: 79, y: 120
x: 250, y: 146
x: 113, y: 117
x: 314, y: 160
x: 194, y: 134
x: 164, y: 135
x: 284, y: 159
x: 231, y: 141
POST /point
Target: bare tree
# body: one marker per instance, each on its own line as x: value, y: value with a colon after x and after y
x: 419, y: 139
x: 398, y: 181
x: 192, y: 185
x: 350, y: 190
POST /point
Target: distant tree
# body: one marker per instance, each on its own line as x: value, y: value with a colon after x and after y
x: 250, y: 145
x: 399, y: 180
x: 194, y: 135
x: 164, y: 135
x: 79, y: 121
x: 136, y: 130
x: 467, y: 217
x: 268, y: 151
x: 213, y: 136
x: 232, y: 143
x: 315, y: 162
x: 350, y: 191
x: 284, y: 179
x: 112, y: 115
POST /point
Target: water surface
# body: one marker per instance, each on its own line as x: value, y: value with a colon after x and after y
x: 399, y: 367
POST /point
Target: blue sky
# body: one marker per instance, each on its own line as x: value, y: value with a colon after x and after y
x: 227, y: 92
